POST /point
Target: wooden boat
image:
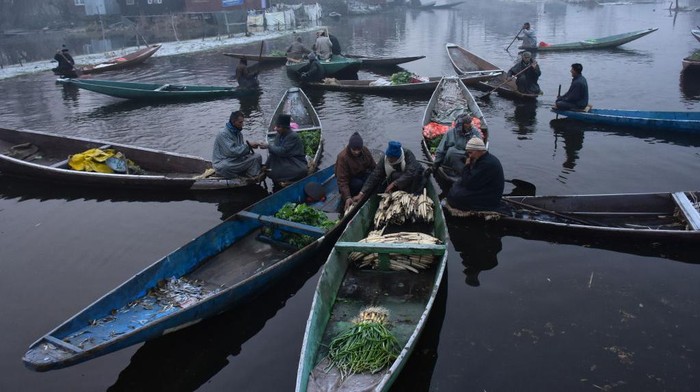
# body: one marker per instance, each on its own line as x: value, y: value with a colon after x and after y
x: 156, y: 91
x: 121, y: 62
x: 225, y: 266
x: 447, y: 4
x: 596, y: 43
x: 692, y: 62
x: 44, y: 157
x: 672, y: 121
x: 663, y: 218
x: 367, y: 86
x: 337, y: 65
x: 304, y: 120
x: 506, y: 88
x: 467, y: 63
x: 265, y: 59
x: 449, y: 99
x: 368, y: 61
x: 696, y: 34
x: 344, y: 289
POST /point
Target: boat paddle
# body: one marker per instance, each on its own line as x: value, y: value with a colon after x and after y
x: 262, y: 43
x: 514, y: 38
x: 527, y: 187
x: 485, y: 96
x: 555, y: 102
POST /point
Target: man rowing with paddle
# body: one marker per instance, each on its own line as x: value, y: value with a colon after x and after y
x: 528, y: 73
x: 528, y: 37
x: 66, y: 64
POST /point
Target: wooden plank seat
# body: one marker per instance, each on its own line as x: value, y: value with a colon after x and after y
x: 284, y: 225
x: 689, y: 212
x: 400, y: 248
x: 61, y: 343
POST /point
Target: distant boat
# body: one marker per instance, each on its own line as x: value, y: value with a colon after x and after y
x: 155, y: 92
x: 121, y: 62
x: 371, y: 86
x: 654, y: 120
x: 369, y: 61
x: 265, y: 59
x: 448, y: 4
x: 696, y: 34
x: 595, y: 43
x: 336, y: 65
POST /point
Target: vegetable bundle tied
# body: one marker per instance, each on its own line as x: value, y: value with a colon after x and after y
x: 302, y: 213
x: 398, y: 262
x: 366, y: 346
x: 400, y: 207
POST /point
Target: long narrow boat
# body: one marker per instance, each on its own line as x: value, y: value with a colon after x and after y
x: 264, y: 59
x: 372, y: 86
x: 670, y: 219
x: 595, y: 43
x: 465, y: 62
x: 126, y: 61
x: 44, y: 157
x: 696, y: 34
x: 447, y: 4
x: 369, y: 61
x: 156, y: 92
x: 450, y: 98
x: 225, y: 266
x: 337, y: 65
x: 344, y: 289
x: 672, y: 121
x: 305, y: 122
x: 692, y: 62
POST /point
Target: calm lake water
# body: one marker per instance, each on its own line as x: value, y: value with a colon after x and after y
x: 544, y: 317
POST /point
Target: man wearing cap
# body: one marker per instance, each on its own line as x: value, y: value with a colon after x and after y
x: 352, y: 168
x: 297, y: 50
x: 399, y: 167
x: 450, y: 152
x: 311, y: 72
x: 286, y: 159
x: 323, y: 46
x: 528, y: 37
x: 528, y: 73
x: 66, y: 64
x: 481, y: 185
x: 233, y: 156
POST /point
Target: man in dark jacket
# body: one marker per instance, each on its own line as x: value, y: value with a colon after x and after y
x: 66, y: 64
x: 577, y: 96
x: 335, y: 49
x: 244, y: 78
x: 286, y: 158
x: 399, y: 168
x: 352, y: 168
x: 528, y: 71
x: 311, y: 72
x: 482, y: 182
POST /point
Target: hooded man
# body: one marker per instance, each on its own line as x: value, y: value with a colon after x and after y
x: 399, y: 167
x: 528, y: 71
x: 450, y: 151
x: 352, y: 168
x: 481, y: 184
x: 232, y: 156
x: 286, y: 159
x: 66, y: 64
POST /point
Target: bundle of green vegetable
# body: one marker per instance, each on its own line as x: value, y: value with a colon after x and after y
x: 401, y: 77
x: 433, y: 144
x: 279, y: 53
x: 367, y: 346
x: 311, y: 140
x: 301, y: 213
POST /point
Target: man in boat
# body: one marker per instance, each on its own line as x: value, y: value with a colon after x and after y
x: 296, y: 51
x: 528, y: 71
x: 234, y: 157
x: 323, y: 46
x: 450, y: 152
x: 66, y: 64
x: 528, y: 37
x: 577, y: 96
x: 399, y: 167
x: 244, y: 77
x: 352, y: 168
x: 311, y: 72
x: 480, y: 187
x: 335, y: 49
x: 286, y: 159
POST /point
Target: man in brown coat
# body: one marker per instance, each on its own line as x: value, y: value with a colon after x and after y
x: 352, y: 167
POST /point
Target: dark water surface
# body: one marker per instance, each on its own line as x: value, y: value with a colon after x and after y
x: 545, y: 317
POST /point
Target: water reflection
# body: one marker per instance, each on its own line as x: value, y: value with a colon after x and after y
x: 690, y: 85
x: 70, y: 95
x: 524, y: 118
x: 477, y: 247
x: 572, y: 136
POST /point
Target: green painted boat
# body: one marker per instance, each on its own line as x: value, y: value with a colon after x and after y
x: 344, y: 289
x: 337, y: 65
x: 155, y: 91
x: 596, y: 43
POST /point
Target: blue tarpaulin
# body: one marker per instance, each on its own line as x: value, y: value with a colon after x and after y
x: 231, y: 3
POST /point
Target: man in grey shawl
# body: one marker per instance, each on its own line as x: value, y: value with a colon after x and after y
x: 233, y: 156
x: 286, y: 159
x: 450, y: 152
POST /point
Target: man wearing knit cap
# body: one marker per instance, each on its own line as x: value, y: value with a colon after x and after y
x: 66, y: 64
x: 352, y: 168
x: 399, y: 168
x: 450, y: 152
x: 481, y: 184
x: 286, y: 159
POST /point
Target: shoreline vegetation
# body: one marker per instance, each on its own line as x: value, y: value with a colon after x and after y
x: 171, y: 48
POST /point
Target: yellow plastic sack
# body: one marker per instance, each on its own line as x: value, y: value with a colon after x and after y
x: 91, y: 160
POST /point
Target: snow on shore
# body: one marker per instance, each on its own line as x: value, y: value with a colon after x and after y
x: 167, y: 49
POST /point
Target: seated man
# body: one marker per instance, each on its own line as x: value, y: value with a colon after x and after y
x: 245, y: 79
x: 399, y: 167
x: 577, y: 96
x: 323, y: 46
x: 481, y: 186
x: 528, y: 71
x: 286, y: 159
x: 297, y: 50
x: 450, y: 151
x: 352, y: 168
x: 311, y: 72
x: 233, y: 157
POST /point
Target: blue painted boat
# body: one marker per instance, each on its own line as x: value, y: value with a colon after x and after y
x: 672, y: 121
x: 223, y: 267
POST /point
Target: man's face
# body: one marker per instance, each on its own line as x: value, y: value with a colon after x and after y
x: 238, y: 122
x: 392, y: 160
x: 356, y: 151
x: 573, y: 72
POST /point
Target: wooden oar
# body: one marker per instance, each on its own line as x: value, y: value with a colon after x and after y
x: 571, y: 218
x: 514, y: 38
x: 528, y: 187
x: 506, y: 81
x: 555, y: 102
x: 262, y: 43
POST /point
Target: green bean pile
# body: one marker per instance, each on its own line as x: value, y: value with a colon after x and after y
x: 367, y: 346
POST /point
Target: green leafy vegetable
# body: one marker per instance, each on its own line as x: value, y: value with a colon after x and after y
x: 401, y: 77
x: 434, y: 143
x: 302, y: 213
x: 311, y: 140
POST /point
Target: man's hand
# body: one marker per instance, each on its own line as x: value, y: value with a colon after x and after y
x: 348, y: 203
x: 357, y: 197
x: 262, y: 145
x: 391, y: 187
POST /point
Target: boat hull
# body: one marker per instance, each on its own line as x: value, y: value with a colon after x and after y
x: 336, y: 66
x: 366, y: 87
x: 654, y: 120
x: 122, y: 62
x: 154, y: 91
x: 596, y: 43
